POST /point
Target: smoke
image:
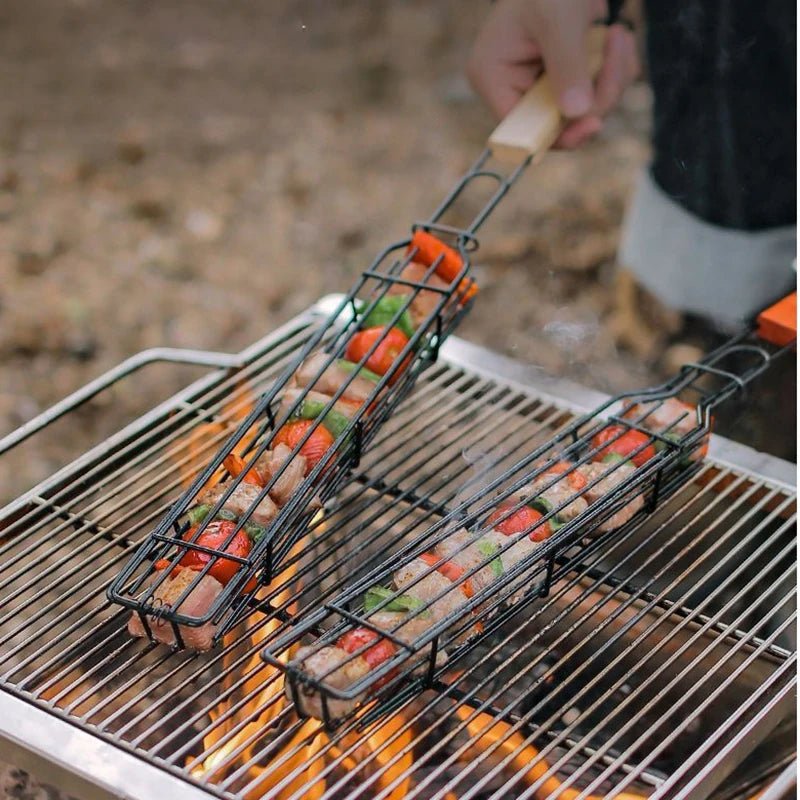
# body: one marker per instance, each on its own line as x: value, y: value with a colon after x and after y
x: 484, y: 468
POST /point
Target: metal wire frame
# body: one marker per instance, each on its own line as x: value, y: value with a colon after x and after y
x: 593, y: 643
x: 157, y: 468
x: 138, y: 581
x: 75, y: 555
x: 414, y: 667
x: 120, y: 724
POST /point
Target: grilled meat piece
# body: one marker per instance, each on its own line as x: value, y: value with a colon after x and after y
x: 462, y: 548
x: 290, y: 479
x: 196, y: 604
x: 420, y: 581
x: 338, y: 668
x: 610, y: 475
x: 242, y: 498
x: 345, y: 668
x: 666, y: 416
x: 518, y: 551
x: 672, y: 418
x: 359, y: 388
x: 567, y: 490
x: 424, y: 304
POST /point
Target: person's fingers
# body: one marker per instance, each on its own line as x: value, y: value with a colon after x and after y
x: 501, y: 84
x: 505, y: 61
x: 618, y: 70
x: 578, y: 132
x: 563, y: 43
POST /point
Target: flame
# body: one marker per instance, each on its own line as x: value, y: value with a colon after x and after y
x: 196, y: 448
x: 321, y: 748
x: 488, y: 732
x: 310, y: 744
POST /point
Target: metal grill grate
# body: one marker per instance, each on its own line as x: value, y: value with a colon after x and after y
x: 661, y: 655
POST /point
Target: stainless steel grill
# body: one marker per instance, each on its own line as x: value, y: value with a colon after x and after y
x: 661, y: 658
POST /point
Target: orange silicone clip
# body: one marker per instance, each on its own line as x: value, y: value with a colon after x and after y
x: 778, y: 323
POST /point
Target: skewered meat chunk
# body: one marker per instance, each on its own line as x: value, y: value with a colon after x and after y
x: 338, y: 668
x: 567, y: 490
x: 610, y: 475
x: 672, y: 418
x: 670, y: 415
x: 196, y: 604
x: 345, y: 667
x: 290, y: 479
x: 462, y: 548
x: 518, y: 551
x: 424, y: 304
x: 241, y: 499
x: 359, y: 388
x: 418, y: 580
x: 406, y: 627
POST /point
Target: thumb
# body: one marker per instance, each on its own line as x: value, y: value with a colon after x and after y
x: 566, y: 60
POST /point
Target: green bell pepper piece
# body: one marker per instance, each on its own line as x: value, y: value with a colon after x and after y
x: 544, y: 506
x: 334, y: 421
x: 349, y: 366
x: 488, y: 549
x: 384, y: 312
x: 615, y: 458
x: 198, y: 514
x: 673, y: 437
x: 254, y: 531
x: 377, y: 594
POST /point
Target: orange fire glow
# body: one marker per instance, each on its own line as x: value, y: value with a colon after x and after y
x: 306, y: 745
x: 387, y: 748
x: 205, y: 439
x: 488, y: 732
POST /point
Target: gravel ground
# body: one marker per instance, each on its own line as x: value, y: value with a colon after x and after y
x: 195, y: 179
x: 194, y: 174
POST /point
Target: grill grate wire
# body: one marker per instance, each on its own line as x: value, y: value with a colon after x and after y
x: 69, y: 651
x: 657, y: 478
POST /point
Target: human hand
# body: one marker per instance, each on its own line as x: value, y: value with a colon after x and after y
x: 522, y: 38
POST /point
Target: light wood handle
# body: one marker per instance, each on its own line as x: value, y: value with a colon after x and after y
x: 535, y: 122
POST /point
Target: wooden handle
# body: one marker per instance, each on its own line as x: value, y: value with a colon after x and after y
x: 535, y: 122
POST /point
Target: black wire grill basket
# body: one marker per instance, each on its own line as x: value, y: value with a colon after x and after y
x: 161, y: 552
x: 664, y: 460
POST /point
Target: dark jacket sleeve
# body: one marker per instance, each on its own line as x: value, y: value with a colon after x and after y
x: 724, y: 128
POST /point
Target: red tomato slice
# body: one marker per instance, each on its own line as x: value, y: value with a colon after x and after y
x: 450, y: 570
x: 317, y: 445
x: 391, y: 344
x: 213, y: 537
x: 375, y: 656
x: 628, y: 442
x: 522, y: 519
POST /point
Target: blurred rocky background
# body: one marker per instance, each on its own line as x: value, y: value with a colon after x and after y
x: 192, y: 174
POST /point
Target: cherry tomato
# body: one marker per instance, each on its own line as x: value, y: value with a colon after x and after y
x: 523, y: 519
x: 375, y: 656
x: 315, y: 447
x: 628, y: 442
x: 575, y: 479
x: 213, y: 537
x: 391, y: 344
x: 450, y: 570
